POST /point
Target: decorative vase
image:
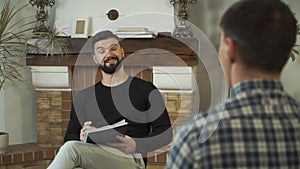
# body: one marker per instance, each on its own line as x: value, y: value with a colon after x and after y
x: 3, y: 142
x: 182, y: 30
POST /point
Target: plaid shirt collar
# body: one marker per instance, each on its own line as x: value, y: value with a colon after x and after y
x: 254, y: 86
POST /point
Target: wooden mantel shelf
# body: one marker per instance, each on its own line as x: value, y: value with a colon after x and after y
x: 141, y: 56
x: 161, y: 51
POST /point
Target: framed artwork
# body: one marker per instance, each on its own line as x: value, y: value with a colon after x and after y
x: 80, y: 27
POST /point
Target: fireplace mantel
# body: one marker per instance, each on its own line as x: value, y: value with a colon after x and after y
x: 148, y: 52
x: 141, y: 56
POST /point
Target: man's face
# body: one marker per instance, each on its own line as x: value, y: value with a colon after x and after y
x: 108, y: 54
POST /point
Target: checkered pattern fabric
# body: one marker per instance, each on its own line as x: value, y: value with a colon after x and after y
x: 258, y: 127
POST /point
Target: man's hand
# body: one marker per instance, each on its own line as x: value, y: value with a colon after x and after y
x: 86, y: 126
x: 127, y: 144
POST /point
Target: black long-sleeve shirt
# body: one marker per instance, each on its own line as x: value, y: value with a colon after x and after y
x: 137, y: 101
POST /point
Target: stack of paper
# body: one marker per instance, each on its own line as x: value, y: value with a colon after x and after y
x: 131, y: 32
x: 106, y: 134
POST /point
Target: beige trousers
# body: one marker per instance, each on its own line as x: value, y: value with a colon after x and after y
x: 74, y: 154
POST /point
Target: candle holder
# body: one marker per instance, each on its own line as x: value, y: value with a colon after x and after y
x: 41, y: 14
x: 182, y: 30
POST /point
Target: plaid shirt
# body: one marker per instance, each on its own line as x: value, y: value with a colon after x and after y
x: 259, y: 128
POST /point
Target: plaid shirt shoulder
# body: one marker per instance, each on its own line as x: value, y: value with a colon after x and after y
x: 257, y: 127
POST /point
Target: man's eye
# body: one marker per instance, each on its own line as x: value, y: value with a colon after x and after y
x: 101, y: 51
x: 114, y: 48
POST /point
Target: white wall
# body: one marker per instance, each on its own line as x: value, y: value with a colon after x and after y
x: 17, y: 102
x: 18, y: 112
x: 205, y: 15
x: 133, y: 13
x: 290, y: 74
x: 2, y: 109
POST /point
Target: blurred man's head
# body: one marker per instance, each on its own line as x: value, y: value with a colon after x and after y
x: 108, y: 53
x: 261, y: 32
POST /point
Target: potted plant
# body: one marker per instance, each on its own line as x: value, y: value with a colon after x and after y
x: 48, y: 43
x: 13, y: 35
x: 296, y: 49
x: 3, y: 142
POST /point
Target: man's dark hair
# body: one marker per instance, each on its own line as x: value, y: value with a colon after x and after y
x: 102, y: 36
x: 264, y: 31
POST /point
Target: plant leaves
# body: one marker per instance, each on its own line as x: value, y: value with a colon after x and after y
x: 13, y: 42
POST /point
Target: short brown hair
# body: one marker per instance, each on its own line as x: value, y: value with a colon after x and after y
x: 264, y: 31
x: 102, y: 36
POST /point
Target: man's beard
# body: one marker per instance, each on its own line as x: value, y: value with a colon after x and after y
x: 111, y: 68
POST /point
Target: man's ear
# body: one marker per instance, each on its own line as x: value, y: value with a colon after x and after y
x: 232, y: 49
x: 123, y: 52
x: 95, y: 60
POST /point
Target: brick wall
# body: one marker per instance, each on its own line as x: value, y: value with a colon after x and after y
x: 180, y: 108
x: 66, y: 108
x: 53, y: 109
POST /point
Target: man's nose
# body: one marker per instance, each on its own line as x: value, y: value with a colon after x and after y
x: 107, y: 53
x: 110, y: 52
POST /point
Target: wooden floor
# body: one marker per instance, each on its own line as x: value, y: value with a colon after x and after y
x: 155, y: 167
x: 32, y: 165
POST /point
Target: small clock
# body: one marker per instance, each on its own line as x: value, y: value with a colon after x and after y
x: 113, y: 14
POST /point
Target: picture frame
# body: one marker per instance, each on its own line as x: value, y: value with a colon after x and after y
x: 80, y: 27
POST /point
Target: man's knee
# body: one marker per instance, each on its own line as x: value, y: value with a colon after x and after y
x: 69, y: 146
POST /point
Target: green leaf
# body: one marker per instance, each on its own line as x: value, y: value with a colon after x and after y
x: 292, y: 56
x: 295, y: 52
